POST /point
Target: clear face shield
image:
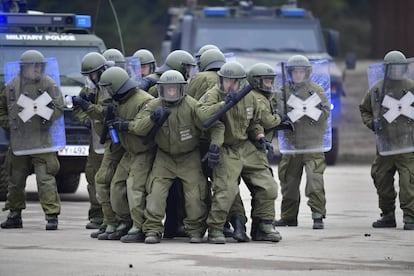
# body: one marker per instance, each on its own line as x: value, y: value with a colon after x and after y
x: 299, y: 74
x: 171, y: 92
x: 266, y: 83
x: 106, y: 90
x: 33, y: 71
x: 189, y: 69
x: 231, y: 85
x: 92, y: 79
x: 396, y: 71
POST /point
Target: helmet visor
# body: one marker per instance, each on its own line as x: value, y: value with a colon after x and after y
x: 33, y: 71
x: 231, y: 84
x: 396, y: 71
x: 265, y: 83
x: 171, y: 92
x: 299, y: 74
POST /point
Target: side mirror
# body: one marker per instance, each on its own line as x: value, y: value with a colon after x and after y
x: 332, y: 42
x: 350, y: 60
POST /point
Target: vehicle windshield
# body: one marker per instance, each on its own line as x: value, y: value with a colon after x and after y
x: 260, y: 35
x: 69, y: 59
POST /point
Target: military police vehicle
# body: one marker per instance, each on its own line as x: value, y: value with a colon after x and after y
x: 67, y: 38
x: 260, y: 34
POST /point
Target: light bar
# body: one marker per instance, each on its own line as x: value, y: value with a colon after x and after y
x: 293, y: 12
x: 83, y: 21
x: 51, y: 20
x: 216, y: 11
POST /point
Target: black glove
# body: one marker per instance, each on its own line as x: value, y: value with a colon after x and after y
x: 83, y: 96
x: 212, y: 156
x: 267, y: 147
x: 82, y: 103
x: 159, y: 112
x: 288, y: 125
x: 119, y: 124
x: 376, y: 125
x: 91, y: 97
x: 231, y: 96
x: 146, y: 83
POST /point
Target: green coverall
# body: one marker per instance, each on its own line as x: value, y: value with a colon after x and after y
x: 384, y: 167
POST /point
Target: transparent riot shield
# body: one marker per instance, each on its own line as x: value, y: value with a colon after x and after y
x: 230, y: 56
x: 308, y: 107
x: 134, y: 69
x: 392, y: 101
x: 36, y: 124
x: 4, y: 141
x: 97, y: 146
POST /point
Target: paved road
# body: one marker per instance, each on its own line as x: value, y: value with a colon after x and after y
x: 348, y: 245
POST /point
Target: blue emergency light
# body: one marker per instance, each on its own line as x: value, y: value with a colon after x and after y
x: 292, y: 12
x: 83, y: 21
x: 216, y: 11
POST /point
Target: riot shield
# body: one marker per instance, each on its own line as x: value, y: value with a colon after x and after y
x: 134, y: 69
x: 4, y: 141
x: 392, y: 107
x: 35, y: 126
x: 308, y: 107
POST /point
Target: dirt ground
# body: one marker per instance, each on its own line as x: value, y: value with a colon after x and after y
x: 356, y: 141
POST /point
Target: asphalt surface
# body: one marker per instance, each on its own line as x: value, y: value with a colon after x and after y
x: 347, y: 245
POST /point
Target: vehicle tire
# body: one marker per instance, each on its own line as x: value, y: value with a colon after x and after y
x: 332, y: 155
x: 4, y: 180
x: 67, y: 184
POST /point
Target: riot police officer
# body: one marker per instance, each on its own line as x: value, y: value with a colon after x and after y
x: 177, y: 156
x: 147, y: 61
x: 306, y: 144
x: 93, y: 65
x: 128, y: 186
x: 178, y: 60
x: 383, y: 111
x: 116, y: 56
x: 210, y: 62
x: 238, y: 157
x: 29, y: 125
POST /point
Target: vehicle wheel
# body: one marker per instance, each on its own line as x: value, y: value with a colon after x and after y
x: 67, y: 184
x: 332, y: 155
x: 4, y: 180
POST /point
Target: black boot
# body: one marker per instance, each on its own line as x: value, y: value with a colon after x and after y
x: 52, y: 222
x: 101, y: 230
x: 14, y: 220
x: 120, y: 231
x: 286, y: 222
x: 386, y: 221
x: 239, y: 233
x: 227, y: 231
x: 318, y: 223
